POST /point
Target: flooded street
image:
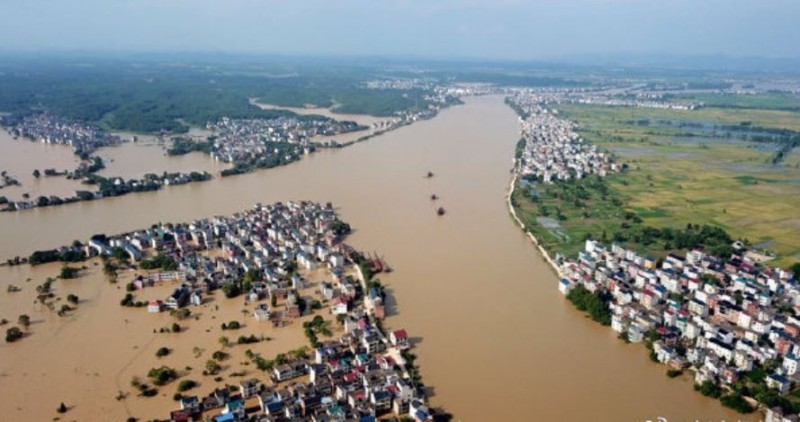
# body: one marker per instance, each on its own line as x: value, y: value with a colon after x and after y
x: 134, y: 160
x: 496, y: 340
x: 20, y: 157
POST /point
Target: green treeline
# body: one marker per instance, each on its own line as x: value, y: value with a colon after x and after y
x: 52, y: 255
x: 181, y: 146
x: 163, y: 262
x: 164, y: 97
x: 595, y: 304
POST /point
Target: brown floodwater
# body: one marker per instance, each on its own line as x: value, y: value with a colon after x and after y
x: 495, y: 339
x: 134, y: 160
x: 20, y: 157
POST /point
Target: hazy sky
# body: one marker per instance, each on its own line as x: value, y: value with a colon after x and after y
x: 512, y: 29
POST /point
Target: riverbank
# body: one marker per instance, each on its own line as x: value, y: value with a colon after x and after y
x: 694, y: 305
x: 512, y: 210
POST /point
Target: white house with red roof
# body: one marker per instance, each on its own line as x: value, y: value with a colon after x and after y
x: 399, y: 338
x: 339, y: 306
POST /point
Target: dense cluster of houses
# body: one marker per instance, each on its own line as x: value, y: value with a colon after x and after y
x: 625, y: 95
x: 241, y: 140
x: 717, y: 316
x: 52, y: 129
x: 360, y: 376
x: 553, y: 150
x: 642, y: 101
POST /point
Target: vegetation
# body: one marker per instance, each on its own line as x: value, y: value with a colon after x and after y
x: 43, y: 257
x: 233, y: 325
x: 219, y: 355
x: 673, y: 373
x: 182, y: 146
x: 318, y: 325
x: 181, y: 314
x: 737, y: 403
x: 127, y: 301
x: 163, y: 375
x: 709, y: 389
x: 73, y: 299
x: 212, y: 367
x: 160, y: 97
x: 163, y: 351
x: 340, y: 228
x: 595, y: 304
x: 286, y: 153
x: 720, y: 166
x: 164, y: 262
x: 231, y: 290
x: 590, y: 209
x: 68, y: 272
x: 186, y: 385
x: 13, y: 334
x: 247, y: 339
x: 24, y: 320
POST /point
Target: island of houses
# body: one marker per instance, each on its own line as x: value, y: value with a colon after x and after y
x: 364, y: 374
x: 246, y: 140
x: 52, y: 129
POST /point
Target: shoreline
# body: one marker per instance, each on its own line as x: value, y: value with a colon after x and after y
x: 533, y: 238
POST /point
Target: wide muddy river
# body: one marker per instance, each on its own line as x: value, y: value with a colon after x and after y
x: 496, y: 340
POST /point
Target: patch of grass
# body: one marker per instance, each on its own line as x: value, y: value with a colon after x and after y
x: 728, y: 183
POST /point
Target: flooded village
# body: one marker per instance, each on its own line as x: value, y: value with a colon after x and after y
x: 723, y: 318
x: 727, y: 319
x: 245, y: 144
x: 356, y: 179
x: 258, y: 257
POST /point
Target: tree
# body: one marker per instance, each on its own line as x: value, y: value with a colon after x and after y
x: 73, y: 299
x: 186, y: 385
x: 68, y: 272
x: 212, y: 367
x: 709, y: 389
x: 62, y: 408
x: 795, y: 270
x: 231, y: 290
x: 37, y: 174
x: 162, y: 351
x: 223, y: 341
x: 13, y: 334
x: 162, y: 375
x: 181, y: 313
x: 219, y: 355
x: 737, y: 403
x: 595, y: 304
x: 24, y: 320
